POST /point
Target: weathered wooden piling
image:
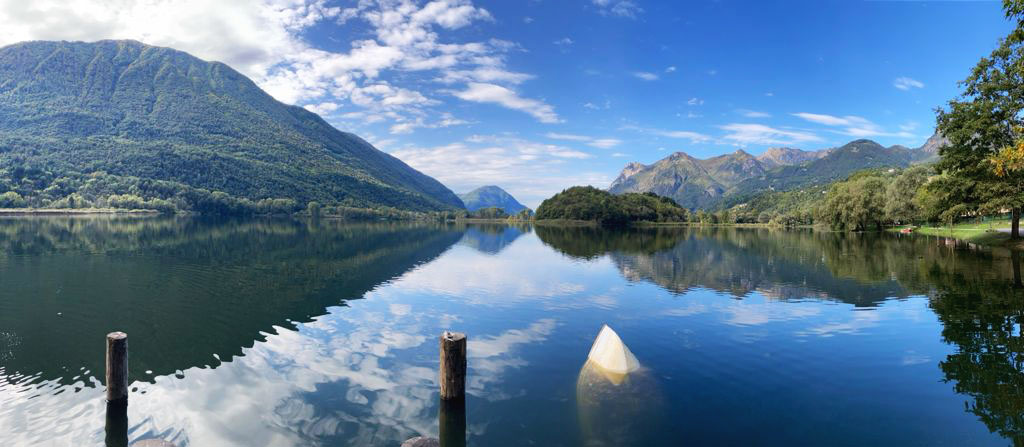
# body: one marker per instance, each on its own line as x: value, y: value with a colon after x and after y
x: 117, y: 367
x: 453, y: 365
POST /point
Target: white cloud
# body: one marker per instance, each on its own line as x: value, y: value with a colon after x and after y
x: 619, y: 155
x: 603, y: 143
x: 405, y: 126
x: 670, y: 69
x: 533, y: 170
x: 905, y: 83
x: 753, y: 113
x: 322, y: 108
x: 645, y: 75
x: 484, y: 74
x: 563, y: 42
x: 695, y: 102
x: 827, y: 120
x: 618, y: 8
x: 496, y: 94
x: 694, y: 137
x: 854, y: 126
x: 764, y: 135
x: 566, y: 136
x: 264, y: 39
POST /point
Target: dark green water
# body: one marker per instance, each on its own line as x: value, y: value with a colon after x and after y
x: 281, y: 333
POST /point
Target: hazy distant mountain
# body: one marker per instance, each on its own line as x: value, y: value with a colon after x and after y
x: 697, y: 183
x: 120, y: 117
x: 491, y: 196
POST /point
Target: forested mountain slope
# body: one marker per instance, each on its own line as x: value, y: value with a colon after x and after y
x: 92, y: 120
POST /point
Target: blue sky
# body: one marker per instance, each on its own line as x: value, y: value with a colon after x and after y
x: 539, y: 95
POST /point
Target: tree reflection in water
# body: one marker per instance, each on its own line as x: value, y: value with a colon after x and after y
x: 976, y: 292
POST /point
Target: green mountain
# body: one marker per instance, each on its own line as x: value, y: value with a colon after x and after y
x: 491, y: 197
x: 88, y: 121
x: 728, y: 178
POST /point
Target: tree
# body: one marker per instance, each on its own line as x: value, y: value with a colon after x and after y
x: 702, y: 217
x: 855, y: 204
x: 11, y: 199
x: 313, y: 208
x: 981, y: 124
x: 724, y: 217
x: 900, y: 203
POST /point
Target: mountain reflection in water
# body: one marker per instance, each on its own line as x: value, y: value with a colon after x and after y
x: 282, y: 332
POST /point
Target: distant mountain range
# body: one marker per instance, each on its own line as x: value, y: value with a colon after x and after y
x: 121, y: 117
x: 491, y: 196
x: 696, y: 183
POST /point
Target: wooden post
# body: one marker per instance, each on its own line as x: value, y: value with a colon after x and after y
x: 117, y: 366
x: 453, y: 365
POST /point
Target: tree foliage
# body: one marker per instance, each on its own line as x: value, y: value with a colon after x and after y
x: 586, y: 203
x: 983, y: 125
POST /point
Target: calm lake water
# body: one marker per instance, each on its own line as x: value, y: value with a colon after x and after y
x: 281, y: 333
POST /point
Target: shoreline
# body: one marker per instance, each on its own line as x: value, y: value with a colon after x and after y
x: 74, y: 212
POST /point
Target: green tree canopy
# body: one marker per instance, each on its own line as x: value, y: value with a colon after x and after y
x: 987, y: 117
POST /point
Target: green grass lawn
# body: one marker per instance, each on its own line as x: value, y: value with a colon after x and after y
x: 979, y: 232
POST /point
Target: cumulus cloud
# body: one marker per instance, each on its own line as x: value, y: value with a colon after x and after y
x: 264, y: 39
x: 760, y: 134
x: 905, y: 83
x: 496, y: 94
x: 322, y: 108
x: 695, y: 102
x: 646, y: 75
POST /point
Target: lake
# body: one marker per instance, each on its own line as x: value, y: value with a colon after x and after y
x: 287, y: 332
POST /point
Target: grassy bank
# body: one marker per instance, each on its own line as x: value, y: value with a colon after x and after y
x: 993, y: 232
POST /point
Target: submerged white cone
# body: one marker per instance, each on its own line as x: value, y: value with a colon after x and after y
x: 611, y: 354
x: 619, y: 403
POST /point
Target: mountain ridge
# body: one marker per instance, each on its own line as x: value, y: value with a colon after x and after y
x: 162, y: 124
x: 696, y: 183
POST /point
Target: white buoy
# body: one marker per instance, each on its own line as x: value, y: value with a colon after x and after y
x: 611, y: 354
